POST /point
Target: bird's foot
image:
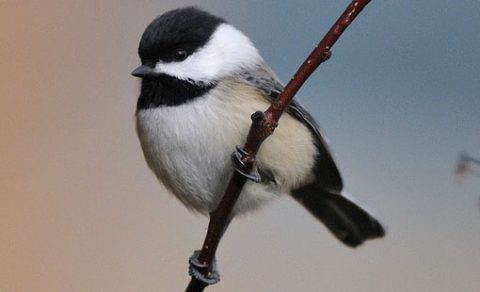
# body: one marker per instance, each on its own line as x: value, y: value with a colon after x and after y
x: 241, y: 167
x: 203, y: 272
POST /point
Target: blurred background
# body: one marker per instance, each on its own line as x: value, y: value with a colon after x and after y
x: 399, y: 101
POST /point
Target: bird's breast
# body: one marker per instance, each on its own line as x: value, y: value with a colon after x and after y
x: 188, y: 147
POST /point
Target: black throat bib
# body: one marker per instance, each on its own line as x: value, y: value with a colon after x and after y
x: 165, y: 90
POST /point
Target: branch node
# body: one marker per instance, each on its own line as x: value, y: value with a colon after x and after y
x: 257, y: 116
x: 327, y: 54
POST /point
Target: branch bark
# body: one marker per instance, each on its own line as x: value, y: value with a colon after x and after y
x: 263, y: 125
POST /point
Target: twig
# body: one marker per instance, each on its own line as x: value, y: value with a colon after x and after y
x: 263, y: 125
x: 467, y: 164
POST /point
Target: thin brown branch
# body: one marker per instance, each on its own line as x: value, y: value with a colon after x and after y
x: 263, y: 125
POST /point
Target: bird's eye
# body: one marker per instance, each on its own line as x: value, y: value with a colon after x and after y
x: 180, y: 55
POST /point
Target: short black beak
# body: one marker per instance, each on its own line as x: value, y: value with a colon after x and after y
x: 144, y: 71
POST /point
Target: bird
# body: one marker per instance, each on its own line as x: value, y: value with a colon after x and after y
x: 201, y: 79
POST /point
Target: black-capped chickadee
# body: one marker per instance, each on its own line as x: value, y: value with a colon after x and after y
x: 201, y: 81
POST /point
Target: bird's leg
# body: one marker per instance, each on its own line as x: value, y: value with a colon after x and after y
x: 197, y: 269
x: 203, y: 266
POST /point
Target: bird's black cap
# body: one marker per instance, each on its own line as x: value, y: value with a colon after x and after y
x: 189, y: 28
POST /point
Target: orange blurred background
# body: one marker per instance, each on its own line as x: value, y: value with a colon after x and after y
x: 80, y: 211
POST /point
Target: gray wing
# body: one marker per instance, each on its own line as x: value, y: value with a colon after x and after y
x: 347, y: 220
x: 327, y: 175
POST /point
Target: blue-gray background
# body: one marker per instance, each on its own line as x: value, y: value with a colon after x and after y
x: 399, y: 99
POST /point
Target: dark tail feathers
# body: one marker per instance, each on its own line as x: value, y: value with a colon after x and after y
x: 347, y: 221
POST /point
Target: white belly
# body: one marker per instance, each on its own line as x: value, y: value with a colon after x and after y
x: 188, y: 147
